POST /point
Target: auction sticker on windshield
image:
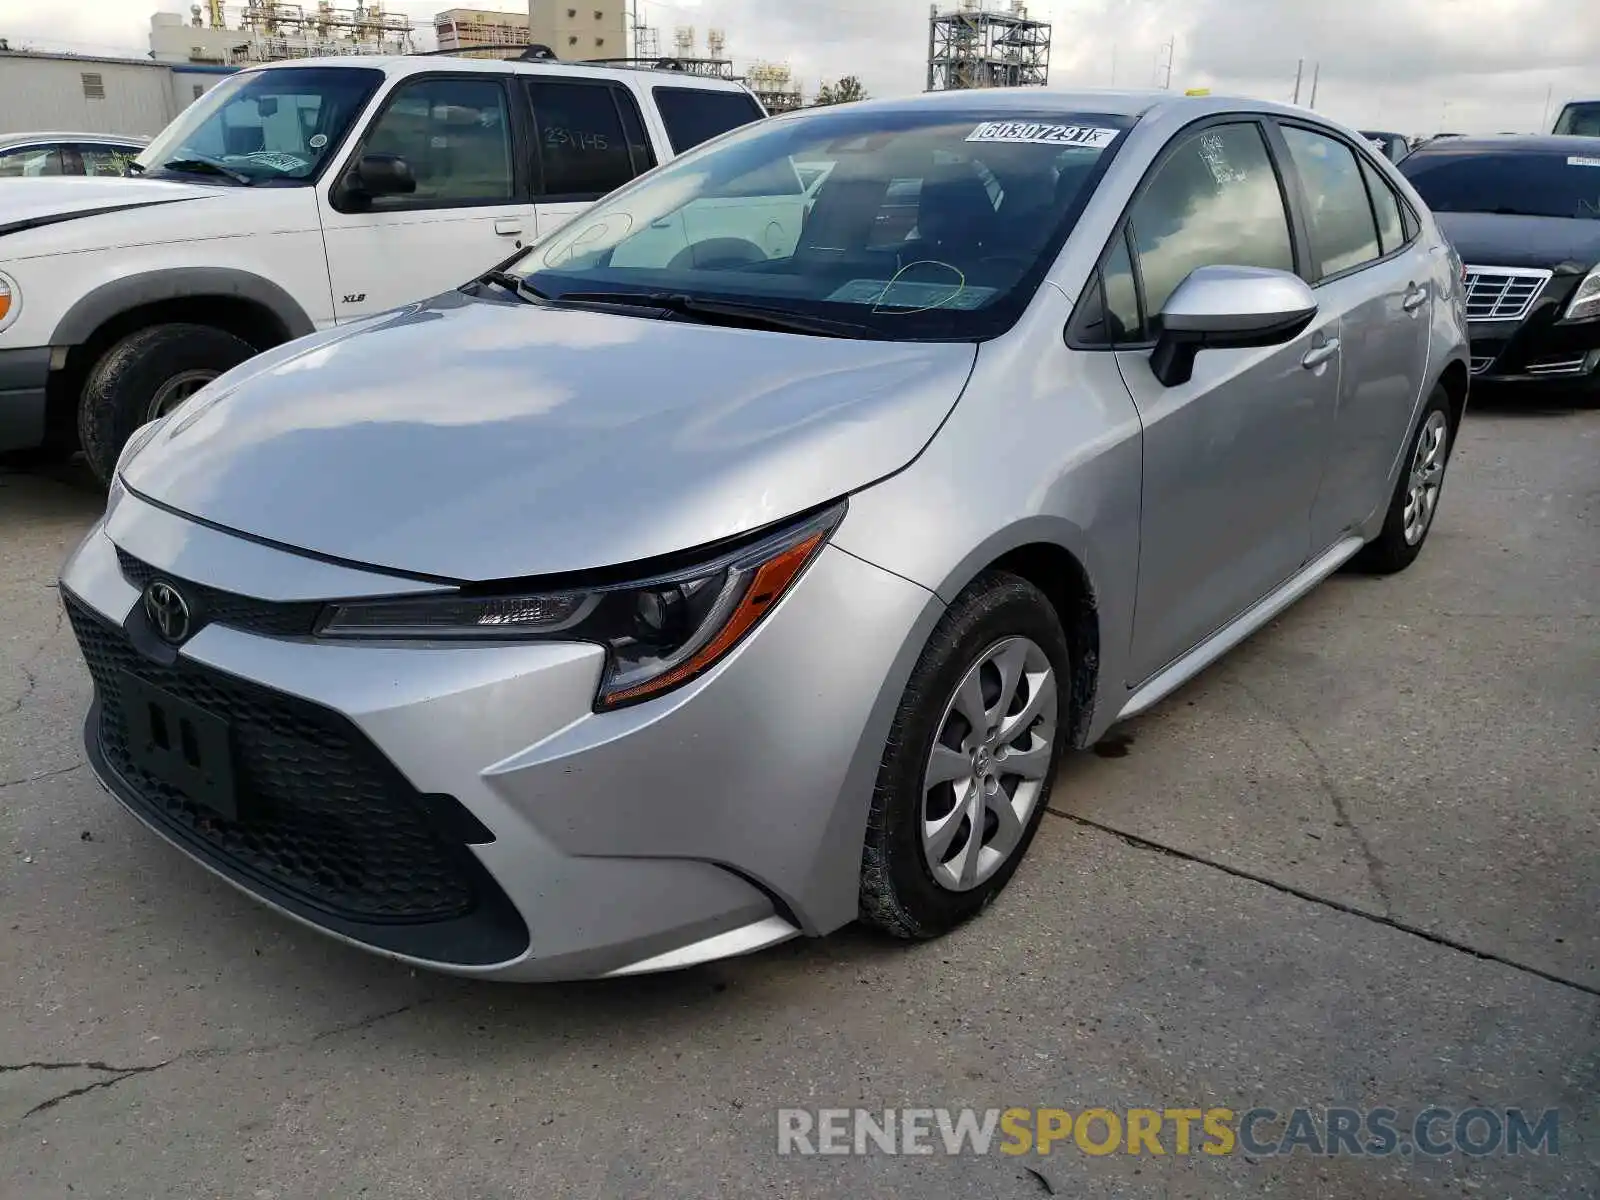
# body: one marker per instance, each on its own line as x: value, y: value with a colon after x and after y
x: 1046, y: 135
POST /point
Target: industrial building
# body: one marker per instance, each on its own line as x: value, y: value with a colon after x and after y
x: 579, y: 29
x: 774, y: 86
x: 267, y: 31
x: 972, y: 46
x: 463, y: 30
x: 97, y: 95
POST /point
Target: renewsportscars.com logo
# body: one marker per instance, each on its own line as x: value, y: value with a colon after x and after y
x: 1257, y: 1132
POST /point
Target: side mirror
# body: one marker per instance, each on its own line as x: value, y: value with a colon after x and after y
x: 1221, y: 308
x: 381, y: 175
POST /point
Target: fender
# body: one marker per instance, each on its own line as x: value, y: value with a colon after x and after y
x: 118, y: 296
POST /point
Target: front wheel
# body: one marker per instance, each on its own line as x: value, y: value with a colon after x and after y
x: 1416, y: 496
x: 144, y: 376
x: 966, y: 775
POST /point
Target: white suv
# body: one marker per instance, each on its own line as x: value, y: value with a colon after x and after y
x: 301, y: 195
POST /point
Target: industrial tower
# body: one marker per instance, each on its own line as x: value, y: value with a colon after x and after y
x: 975, y: 47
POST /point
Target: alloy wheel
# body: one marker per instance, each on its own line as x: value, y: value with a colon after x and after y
x: 1427, y: 476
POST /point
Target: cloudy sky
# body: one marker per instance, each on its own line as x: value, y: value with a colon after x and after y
x: 1416, y: 66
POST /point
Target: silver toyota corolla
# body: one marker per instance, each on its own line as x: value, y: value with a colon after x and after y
x: 741, y: 559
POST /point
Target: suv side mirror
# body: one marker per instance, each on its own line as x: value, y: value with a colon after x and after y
x: 1221, y: 308
x: 380, y: 175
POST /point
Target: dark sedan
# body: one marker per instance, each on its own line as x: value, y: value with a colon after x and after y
x: 1524, y: 212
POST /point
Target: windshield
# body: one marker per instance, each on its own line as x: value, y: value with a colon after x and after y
x: 1512, y: 182
x: 921, y: 224
x: 1580, y: 119
x: 266, y: 126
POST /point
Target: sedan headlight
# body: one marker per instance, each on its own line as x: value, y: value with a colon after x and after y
x: 659, y: 633
x: 1586, y: 300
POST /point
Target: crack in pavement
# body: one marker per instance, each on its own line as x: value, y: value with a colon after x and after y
x: 7, y: 783
x: 118, y: 1074
x: 1289, y: 889
x: 1375, y: 868
x: 27, y: 664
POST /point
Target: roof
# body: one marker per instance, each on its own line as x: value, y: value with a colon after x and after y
x: 416, y: 64
x: 1516, y: 143
x: 56, y: 135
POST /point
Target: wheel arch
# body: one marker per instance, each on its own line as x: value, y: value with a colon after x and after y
x: 238, y: 302
x: 1050, y: 553
x: 1457, y: 383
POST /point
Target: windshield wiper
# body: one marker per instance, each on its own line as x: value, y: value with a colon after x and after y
x: 204, y: 166
x: 750, y: 316
x: 517, y: 286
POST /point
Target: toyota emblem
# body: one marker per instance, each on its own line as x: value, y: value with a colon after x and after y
x: 168, y: 611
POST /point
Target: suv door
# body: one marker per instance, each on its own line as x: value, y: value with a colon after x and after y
x: 588, y: 139
x: 458, y: 134
x: 1232, y: 458
x: 1371, y: 271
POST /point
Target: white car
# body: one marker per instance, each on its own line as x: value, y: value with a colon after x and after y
x: 30, y: 155
x: 302, y: 195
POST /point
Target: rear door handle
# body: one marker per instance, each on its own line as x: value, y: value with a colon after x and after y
x: 1318, y: 355
x: 508, y: 226
x: 1416, y: 298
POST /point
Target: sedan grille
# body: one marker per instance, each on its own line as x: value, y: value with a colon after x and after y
x: 1503, y: 293
x: 216, y: 607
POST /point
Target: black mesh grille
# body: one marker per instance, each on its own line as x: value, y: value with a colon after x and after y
x: 324, y: 817
x: 215, y: 607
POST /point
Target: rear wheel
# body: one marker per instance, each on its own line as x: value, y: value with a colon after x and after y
x: 1416, y: 496
x: 966, y: 775
x: 144, y: 376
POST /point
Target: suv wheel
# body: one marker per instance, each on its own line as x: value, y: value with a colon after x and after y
x: 144, y: 376
x: 971, y: 754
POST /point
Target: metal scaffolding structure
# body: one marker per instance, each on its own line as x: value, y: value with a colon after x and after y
x: 268, y: 30
x: 470, y: 32
x: 975, y: 47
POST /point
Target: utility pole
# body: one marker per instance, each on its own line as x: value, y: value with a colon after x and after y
x: 1544, y: 121
x: 1113, y: 65
x: 1316, y: 76
x: 1170, y: 47
x: 1299, y: 74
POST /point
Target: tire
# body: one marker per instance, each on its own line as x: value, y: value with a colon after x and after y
x: 1397, y: 546
x: 903, y: 892
x: 132, y: 376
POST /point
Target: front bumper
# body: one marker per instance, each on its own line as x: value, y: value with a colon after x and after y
x: 546, y: 841
x: 24, y: 375
x: 1542, y: 348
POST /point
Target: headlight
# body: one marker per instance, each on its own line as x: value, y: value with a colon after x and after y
x: 659, y: 633
x: 10, y: 300
x: 1586, y: 300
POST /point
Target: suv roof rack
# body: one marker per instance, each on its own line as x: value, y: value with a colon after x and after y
x: 530, y: 52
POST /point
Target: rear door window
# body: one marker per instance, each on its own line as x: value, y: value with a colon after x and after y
x: 1343, y: 230
x: 693, y: 116
x: 583, y: 148
x: 1386, y: 206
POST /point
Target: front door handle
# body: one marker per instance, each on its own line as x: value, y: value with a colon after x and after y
x: 508, y: 226
x: 1318, y: 355
x: 1416, y: 298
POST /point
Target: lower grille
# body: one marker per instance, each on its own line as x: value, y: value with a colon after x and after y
x: 324, y: 818
x: 1559, y: 366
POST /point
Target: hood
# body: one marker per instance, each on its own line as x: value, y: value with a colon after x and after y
x: 1491, y: 240
x: 473, y: 440
x: 30, y: 203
